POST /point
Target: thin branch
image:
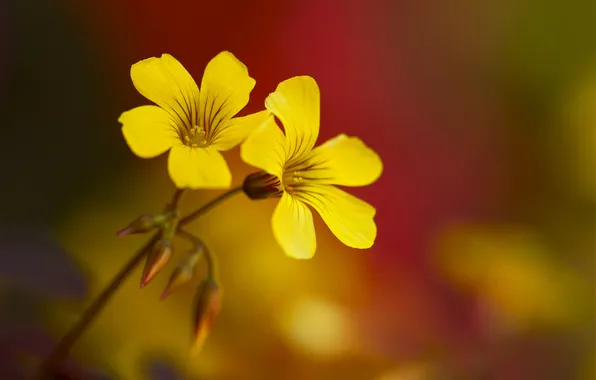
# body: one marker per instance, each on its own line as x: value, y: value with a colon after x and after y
x: 176, y: 198
x: 191, y: 217
x: 64, y: 346
x: 212, y: 269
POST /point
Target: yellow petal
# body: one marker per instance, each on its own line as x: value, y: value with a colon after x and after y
x: 166, y: 82
x: 266, y: 148
x: 198, y: 168
x: 237, y: 129
x: 349, y: 218
x: 345, y: 160
x: 225, y: 90
x: 148, y: 131
x: 296, y: 103
x: 293, y: 228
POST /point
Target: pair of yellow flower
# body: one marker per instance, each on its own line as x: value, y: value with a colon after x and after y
x: 196, y: 125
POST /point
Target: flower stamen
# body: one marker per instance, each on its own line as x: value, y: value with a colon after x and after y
x: 197, y: 137
x: 291, y: 179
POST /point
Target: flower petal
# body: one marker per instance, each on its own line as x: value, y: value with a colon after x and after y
x: 166, y: 82
x: 349, y: 218
x: 237, y: 129
x: 293, y: 228
x: 265, y: 148
x: 198, y: 168
x: 225, y: 90
x: 296, y: 103
x: 344, y: 160
x: 148, y: 131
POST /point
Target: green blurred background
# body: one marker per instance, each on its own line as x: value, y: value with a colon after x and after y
x: 484, y: 114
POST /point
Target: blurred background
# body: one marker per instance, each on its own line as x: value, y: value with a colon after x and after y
x: 484, y: 114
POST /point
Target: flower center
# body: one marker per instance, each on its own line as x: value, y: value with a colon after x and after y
x: 290, y: 179
x: 196, y: 137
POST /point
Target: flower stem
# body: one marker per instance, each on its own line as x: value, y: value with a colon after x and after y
x: 191, y: 217
x: 212, y: 270
x: 60, y: 352
x: 176, y: 198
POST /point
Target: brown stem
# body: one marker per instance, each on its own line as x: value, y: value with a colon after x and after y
x: 61, y: 350
x: 63, y: 347
x: 189, y: 218
x: 176, y: 198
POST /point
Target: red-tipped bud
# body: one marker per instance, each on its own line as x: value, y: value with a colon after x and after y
x: 208, y: 305
x: 156, y: 260
x: 143, y: 223
x: 181, y: 275
x: 184, y: 271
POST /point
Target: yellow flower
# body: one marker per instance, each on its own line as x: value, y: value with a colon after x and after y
x: 193, y: 125
x: 301, y: 175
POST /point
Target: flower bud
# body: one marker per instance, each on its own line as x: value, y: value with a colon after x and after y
x: 208, y: 304
x: 184, y: 271
x: 262, y: 185
x: 181, y: 275
x: 156, y: 260
x: 143, y: 223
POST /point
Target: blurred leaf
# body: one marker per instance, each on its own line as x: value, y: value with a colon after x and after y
x: 31, y: 260
x: 588, y: 369
x: 550, y: 41
x: 513, y: 271
x: 573, y: 142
